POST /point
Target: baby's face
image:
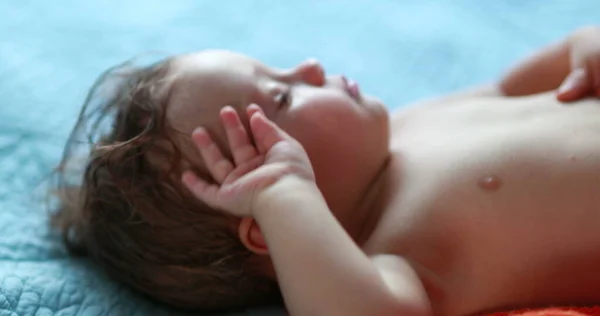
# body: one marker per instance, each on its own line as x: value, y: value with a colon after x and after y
x: 340, y: 128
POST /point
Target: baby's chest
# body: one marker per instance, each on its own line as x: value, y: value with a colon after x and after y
x: 497, y: 208
x: 530, y: 167
x: 479, y: 246
x: 496, y: 196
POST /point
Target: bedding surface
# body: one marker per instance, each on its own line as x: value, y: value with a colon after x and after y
x: 51, y: 52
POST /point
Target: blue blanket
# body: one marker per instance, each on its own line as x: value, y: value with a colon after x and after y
x: 51, y: 51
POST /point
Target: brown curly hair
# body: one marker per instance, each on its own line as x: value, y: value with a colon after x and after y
x: 132, y: 215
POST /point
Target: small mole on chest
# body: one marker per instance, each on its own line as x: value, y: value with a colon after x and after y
x: 489, y: 183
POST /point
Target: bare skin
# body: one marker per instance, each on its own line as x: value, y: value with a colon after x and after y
x: 484, y: 201
x: 499, y: 201
x: 504, y: 191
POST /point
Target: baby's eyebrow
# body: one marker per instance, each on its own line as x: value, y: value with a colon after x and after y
x: 273, y: 72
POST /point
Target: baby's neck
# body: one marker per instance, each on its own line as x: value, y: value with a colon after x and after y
x: 371, y: 206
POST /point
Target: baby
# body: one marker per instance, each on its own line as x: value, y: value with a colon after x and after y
x: 295, y: 182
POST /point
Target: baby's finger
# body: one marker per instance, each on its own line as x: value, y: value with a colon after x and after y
x: 250, y: 111
x: 202, y: 190
x: 218, y: 166
x: 253, y: 108
x: 575, y: 86
x: 266, y: 133
x: 241, y: 148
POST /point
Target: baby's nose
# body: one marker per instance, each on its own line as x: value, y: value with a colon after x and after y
x: 311, y: 71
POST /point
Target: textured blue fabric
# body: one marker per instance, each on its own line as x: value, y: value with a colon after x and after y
x: 51, y: 51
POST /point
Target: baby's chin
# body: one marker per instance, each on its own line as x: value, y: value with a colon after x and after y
x: 374, y: 102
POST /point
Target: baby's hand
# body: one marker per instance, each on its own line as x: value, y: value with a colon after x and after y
x: 255, y: 168
x: 584, y: 78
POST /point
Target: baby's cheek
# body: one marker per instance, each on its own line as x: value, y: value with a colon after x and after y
x: 322, y: 123
x: 333, y: 115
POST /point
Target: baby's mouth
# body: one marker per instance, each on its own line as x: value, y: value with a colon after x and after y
x: 351, y: 87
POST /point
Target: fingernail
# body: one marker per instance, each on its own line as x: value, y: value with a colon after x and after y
x: 571, y: 81
x: 188, y: 178
x: 257, y: 114
x: 574, y: 79
x: 201, y: 138
x: 258, y: 109
x: 227, y: 108
x: 197, y: 130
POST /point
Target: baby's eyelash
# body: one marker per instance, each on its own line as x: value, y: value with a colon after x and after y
x: 283, y: 98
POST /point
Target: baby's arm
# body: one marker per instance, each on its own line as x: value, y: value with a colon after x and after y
x: 543, y: 71
x: 321, y: 270
x: 572, y: 66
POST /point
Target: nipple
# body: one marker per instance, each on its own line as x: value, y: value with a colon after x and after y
x: 489, y: 183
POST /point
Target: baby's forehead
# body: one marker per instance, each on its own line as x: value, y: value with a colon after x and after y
x: 205, y: 82
x: 214, y: 62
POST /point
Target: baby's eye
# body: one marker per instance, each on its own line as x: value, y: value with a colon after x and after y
x: 283, y: 98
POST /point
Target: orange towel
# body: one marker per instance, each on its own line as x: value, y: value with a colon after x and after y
x: 554, y: 311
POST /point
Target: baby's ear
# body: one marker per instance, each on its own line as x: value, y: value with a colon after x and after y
x: 252, y: 237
